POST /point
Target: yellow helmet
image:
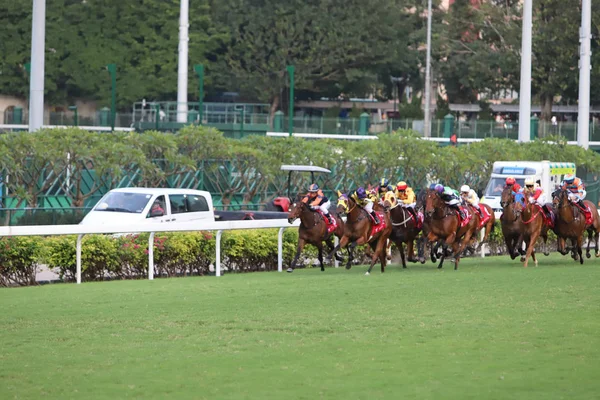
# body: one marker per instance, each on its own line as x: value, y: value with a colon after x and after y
x: 529, y: 181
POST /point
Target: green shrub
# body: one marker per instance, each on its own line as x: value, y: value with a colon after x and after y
x: 99, y: 257
x: 18, y: 260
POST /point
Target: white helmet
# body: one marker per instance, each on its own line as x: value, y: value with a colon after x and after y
x: 465, y: 189
x: 529, y: 181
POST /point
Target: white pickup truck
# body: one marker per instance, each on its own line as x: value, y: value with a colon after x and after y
x: 137, y: 205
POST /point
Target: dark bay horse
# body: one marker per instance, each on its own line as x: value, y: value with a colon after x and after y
x: 445, y: 225
x: 422, y: 240
x: 404, y: 229
x: 313, y: 230
x: 571, y: 224
x: 357, y: 231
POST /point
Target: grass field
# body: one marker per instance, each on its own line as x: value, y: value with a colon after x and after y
x: 492, y: 330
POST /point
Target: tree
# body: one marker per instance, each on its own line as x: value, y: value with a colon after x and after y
x: 327, y: 43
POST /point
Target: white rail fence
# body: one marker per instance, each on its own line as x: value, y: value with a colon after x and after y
x: 219, y: 227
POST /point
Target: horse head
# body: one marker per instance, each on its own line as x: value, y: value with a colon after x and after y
x: 343, y: 203
x: 433, y: 201
x: 296, y: 210
x: 389, y: 200
x: 560, y: 198
x: 507, y: 197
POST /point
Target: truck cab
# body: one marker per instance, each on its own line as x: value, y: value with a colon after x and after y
x: 550, y: 174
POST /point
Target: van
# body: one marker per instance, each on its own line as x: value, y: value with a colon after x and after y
x: 151, y: 205
x: 550, y: 174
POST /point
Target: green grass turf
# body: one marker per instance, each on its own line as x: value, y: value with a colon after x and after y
x: 491, y: 330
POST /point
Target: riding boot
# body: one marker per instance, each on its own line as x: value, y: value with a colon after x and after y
x: 329, y: 218
x: 412, y: 212
x: 374, y: 214
x: 581, y: 204
x: 462, y: 214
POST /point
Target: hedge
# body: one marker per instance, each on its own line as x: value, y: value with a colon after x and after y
x: 175, y: 254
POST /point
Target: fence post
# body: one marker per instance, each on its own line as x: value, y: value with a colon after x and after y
x: 280, y: 250
x: 336, y: 241
x: 78, y: 256
x: 151, y: 256
x: 364, y: 123
x: 218, y: 255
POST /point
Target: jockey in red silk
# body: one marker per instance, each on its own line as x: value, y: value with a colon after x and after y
x: 317, y: 200
x: 512, y: 183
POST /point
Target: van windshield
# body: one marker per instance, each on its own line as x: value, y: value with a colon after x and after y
x: 496, y: 185
x: 124, y: 202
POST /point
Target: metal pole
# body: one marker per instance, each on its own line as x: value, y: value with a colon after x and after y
x: 280, y: 250
x: 525, y: 91
x: 36, y: 82
x: 290, y: 69
x: 151, y: 256
x: 426, y: 123
x: 112, y: 70
x: 199, y: 68
x: 182, y: 71
x: 78, y: 258
x: 583, y: 118
x: 218, y: 255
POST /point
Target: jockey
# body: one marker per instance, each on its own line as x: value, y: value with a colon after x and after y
x: 576, y: 189
x: 384, y: 186
x: 536, y: 194
x: 450, y: 197
x: 469, y: 196
x: 512, y: 183
x: 406, y: 197
x: 317, y: 200
x: 361, y: 198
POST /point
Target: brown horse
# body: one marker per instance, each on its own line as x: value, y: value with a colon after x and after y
x: 313, y: 230
x: 533, y: 223
x: 404, y: 229
x: 571, y: 224
x: 445, y: 225
x: 512, y: 226
x: 357, y: 231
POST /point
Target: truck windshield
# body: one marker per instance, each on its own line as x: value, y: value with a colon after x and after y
x: 496, y: 185
x: 123, y: 202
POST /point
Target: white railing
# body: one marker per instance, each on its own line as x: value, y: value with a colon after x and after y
x: 80, y: 230
x: 87, y: 128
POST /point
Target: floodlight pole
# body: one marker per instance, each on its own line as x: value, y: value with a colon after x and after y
x: 583, y: 116
x: 36, y: 81
x: 426, y: 123
x: 525, y: 90
x: 182, y: 69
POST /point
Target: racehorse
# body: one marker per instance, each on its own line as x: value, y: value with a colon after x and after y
x: 313, y: 230
x: 358, y: 231
x: 426, y: 228
x: 404, y: 228
x: 445, y: 225
x: 512, y: 226
x: 571, y: 224
x: 533, y: 222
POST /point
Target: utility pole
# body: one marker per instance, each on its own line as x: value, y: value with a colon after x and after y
x: 291, y: 69
x: 525, y: 91
x: 36, y: 82
x: 426, y: 123
x: 583, y: 117
x: 182, y: 69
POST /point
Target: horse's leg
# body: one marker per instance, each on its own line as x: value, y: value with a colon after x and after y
x: 580, y: 248
x: 331, y: 247
x: 410, y: 251
x: 389, y: 249
x: 378, y: 250
x: 301, y: 244
x: 342, y: 243
x: 596, y: 238
x: 351, y: 247
x: 590, y: 233
x: 382, y: 260
x: 320, y: 248
x: 530, y: 246
x: 402, y: 257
